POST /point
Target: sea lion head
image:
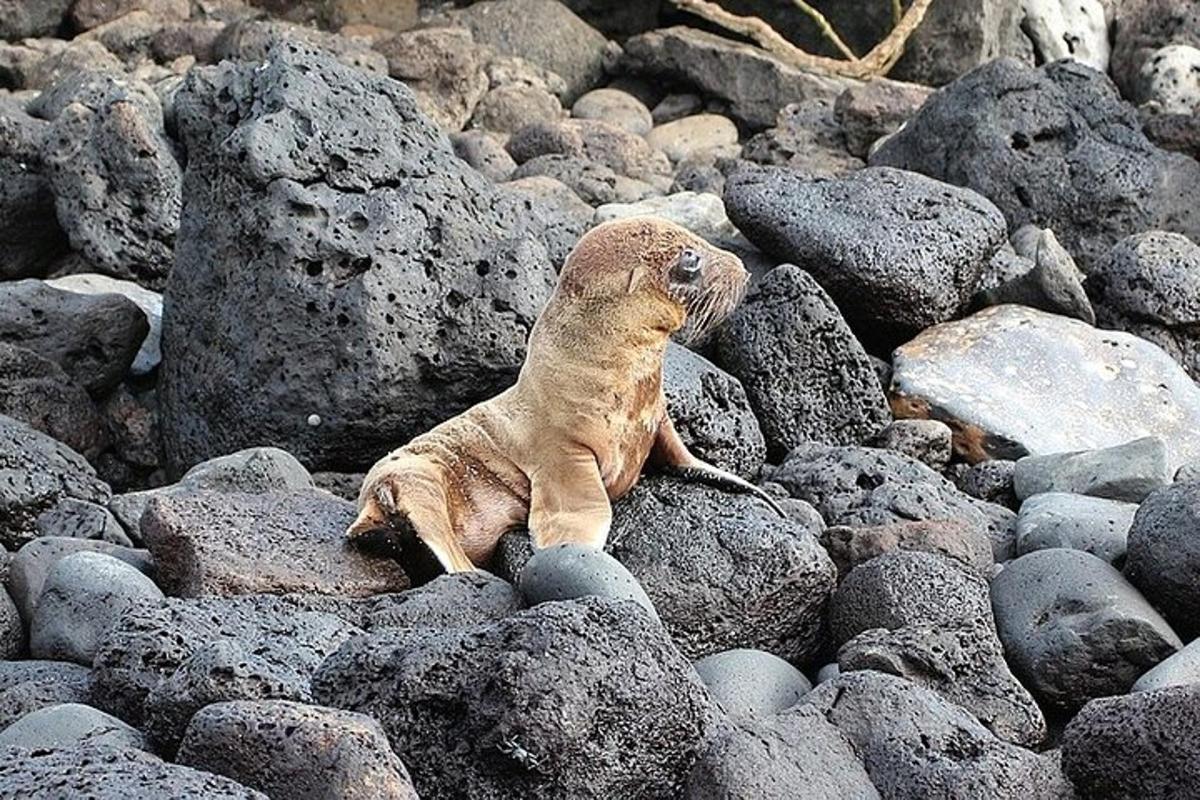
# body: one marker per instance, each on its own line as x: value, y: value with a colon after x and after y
x: 690, y: 283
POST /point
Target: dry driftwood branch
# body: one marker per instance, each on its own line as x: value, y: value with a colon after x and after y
x: 826, y: 29
x: 877, y: 62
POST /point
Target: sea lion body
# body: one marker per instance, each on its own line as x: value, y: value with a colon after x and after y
x: 586, y: 414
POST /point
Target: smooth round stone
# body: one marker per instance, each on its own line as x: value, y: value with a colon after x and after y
x: 68, y: 725
x: 568, y: 571
x: 828, y: 673
x: 694, y: 136
x: 1074, y: 629
x: 1163, y: 554
x: 1180, y: 669
x: 1076, y: 522
x: 752, y: 683
x: 616, y: 108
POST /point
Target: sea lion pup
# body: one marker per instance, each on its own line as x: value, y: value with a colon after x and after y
x: 586, y: 413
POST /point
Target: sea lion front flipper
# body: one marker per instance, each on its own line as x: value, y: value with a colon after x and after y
x: 671, y: 455
x: 568, y: 502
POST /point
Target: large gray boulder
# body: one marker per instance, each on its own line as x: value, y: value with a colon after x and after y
x: 30, y: 238
x: 22, y: 18
x: 585, y: 698
x: 297, y: 751
x: 1074, y: 629
x: 896, y: 251
x: 1053, y: 146
x: 1092, y: 524
x: 807, y: 377
x: 38, y: 472
x: 38, y: 392
x: 33, y: 562
x: 561, y: 42
x: 712, y: 413
x: 1163, y: 554
x: 394, y: 287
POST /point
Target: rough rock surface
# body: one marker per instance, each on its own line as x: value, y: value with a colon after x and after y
x: 896, y: 251
x: 1163, y: 555
x: 560, y: 41
x: 1149, y: 285
x: 115, y: 179
x: 468, y: 710
x: 106, y: 773
x: 1074, y: 629
x: 864, y: 487
x: 297, y: 751
x: 224, y: 543
x: 711, y: 413
x: 36, y: 472
x: 1054, y: 146
x: 150, y: 354
x: 806, y: 376
x: 722, y: 570
x: 1091, y: 524
x: 30, y: 237
x: 249, y: 640
x: 29, y: 685
x: 1136, y: 746
x: 36, y: 391
x: 770, y: 759
x: 418, y: 282
x: 915, y: 744
x: 1015, y: 381
x: 33, y: 562
x: 965, y: 543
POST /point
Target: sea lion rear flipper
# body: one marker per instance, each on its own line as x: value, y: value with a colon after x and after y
x: 568, y: 502
x: 672, y: 456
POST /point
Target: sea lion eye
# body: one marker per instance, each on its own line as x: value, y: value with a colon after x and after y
x: 687, y: 266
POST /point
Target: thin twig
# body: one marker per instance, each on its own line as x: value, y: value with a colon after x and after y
x: 826, y: 29
x: 897, y: 12
x: 877, y: 62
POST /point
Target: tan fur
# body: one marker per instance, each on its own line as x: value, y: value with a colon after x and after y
x: 585, y: 415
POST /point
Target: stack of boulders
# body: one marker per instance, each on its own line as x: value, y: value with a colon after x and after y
x: 249, y: 246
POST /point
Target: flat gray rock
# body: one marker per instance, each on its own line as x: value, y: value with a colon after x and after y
x: 755, y: 84
x: 70, y: 725
x: 223, y: 543
x: 1074, y: 628
x: 1125, y: 472
x: 1092, y: 524
x: 1016, y: 381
